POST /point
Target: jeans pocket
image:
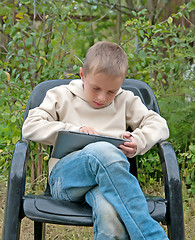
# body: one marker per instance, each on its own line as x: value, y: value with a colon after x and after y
x: 56, y: 189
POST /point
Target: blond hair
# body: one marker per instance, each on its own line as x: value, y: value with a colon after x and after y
x: 106, y: 57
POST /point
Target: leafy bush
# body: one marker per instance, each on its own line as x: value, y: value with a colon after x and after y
x: 187, y: 164
x: 149, y: 168
x: 164, y: 58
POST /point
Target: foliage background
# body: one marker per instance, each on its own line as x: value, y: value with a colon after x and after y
x: 41, y: 40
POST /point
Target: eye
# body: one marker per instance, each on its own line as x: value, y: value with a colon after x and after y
x: 95, y: 88
x: 111, y: 92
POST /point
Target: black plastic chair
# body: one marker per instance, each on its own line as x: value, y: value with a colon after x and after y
x: 43, y: 209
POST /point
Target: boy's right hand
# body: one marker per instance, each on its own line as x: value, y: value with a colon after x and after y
x: 87, y: 129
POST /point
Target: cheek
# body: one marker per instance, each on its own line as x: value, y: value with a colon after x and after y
x: 111, y: 97
x: 89, y: 93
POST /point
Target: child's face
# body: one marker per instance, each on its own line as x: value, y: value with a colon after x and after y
x: 100, y: 89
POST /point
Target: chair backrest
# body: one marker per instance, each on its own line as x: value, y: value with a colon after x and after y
x: 139, y: 88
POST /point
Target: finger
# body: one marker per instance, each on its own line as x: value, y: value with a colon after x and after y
x: 126, y: 135
x: 84, y: 130
x: 127, y: 154
x: 81, y: 130
x: 129, y: 150
x: 130, y: 144
x: 93, y: 131
x: 90, y: 130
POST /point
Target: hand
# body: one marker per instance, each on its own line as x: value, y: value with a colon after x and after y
x: 129, y: 148
x: 87, y: 129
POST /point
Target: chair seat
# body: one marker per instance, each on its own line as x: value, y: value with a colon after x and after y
x: 46, y: 209
x: 49, y: 210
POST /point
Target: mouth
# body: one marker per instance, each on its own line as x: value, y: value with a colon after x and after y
x: 98, y: 104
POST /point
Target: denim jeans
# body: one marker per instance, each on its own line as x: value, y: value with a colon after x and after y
x: 99, y: 174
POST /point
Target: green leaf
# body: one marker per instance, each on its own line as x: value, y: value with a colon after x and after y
x: 159, y: 76
x: 8, y: 142
x: 141, y: 179
x: 154, y: 42
x: 192, y: 148
x: 28, y: 42
x: 177, y: 40
x: 2, y: 74
x: 131, y: 55
x: 190, y: 6
x: 145, y: 41
x: 25, y: 1
x: 188, y: 180
x: 4, y: 11
x: 20, y: 52
x: 13, y: 119
x: 187, y: 14
x: 141, y: 33
x: 170, y: 20
x: 15, y: 139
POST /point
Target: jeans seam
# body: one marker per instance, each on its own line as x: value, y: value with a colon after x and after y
x: 94, y: 212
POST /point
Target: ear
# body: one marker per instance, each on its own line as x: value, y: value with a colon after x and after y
x: 82, y: 74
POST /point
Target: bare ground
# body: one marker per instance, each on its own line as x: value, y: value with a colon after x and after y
x: 57, y: 232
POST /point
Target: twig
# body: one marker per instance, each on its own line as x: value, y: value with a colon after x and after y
x: 19, y: 88
x: 6, y: 161
x: 3, y: 53
x: 73, y: 55
x: 127, y: 41
x: 188, y: 20
x: 4, y: 166
x: 4, y: 48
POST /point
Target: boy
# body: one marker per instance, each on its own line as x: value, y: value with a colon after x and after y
x: 99, y: 173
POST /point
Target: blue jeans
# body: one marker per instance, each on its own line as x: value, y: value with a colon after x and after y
x: 99, y: 173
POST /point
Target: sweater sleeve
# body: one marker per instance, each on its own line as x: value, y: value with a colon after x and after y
x: 43, y: 123
x: 148, y: 126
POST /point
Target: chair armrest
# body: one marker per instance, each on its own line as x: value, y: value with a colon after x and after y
x: 169, y: 162
x: 16, y: 188
x: 173, y: 192
x: 19, y: 163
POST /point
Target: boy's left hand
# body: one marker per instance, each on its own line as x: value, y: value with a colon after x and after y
x: 129, y: 148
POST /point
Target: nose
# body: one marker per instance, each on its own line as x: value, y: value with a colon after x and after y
x: 101, y: 97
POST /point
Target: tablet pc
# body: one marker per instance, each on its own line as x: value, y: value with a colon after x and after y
x: 70, y: 141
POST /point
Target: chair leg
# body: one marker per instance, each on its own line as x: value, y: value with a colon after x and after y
x: 12, y: 218
x: 15, y: 192
x: 11, y: 229
x: 173, y: 192
x: 39, y: 230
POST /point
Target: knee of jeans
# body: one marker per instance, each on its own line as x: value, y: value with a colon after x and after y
x: 56, y: 189
x: 109, y: 222
x: 106, y: 212
x: 106, y: 152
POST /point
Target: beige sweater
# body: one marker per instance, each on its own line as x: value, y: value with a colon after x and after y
x: 65, y: 107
